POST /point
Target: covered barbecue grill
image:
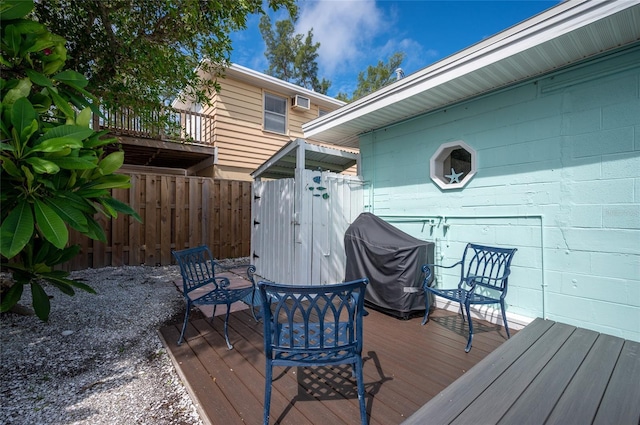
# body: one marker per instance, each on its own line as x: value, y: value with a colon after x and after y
x: 391, y: 260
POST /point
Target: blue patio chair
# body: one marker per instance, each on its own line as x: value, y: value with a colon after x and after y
x: 317, y: 325
x: 484, y: 275
x: 201, y: 286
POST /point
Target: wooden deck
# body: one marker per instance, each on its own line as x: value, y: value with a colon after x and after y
x: 405, y: 365
x: 550, y: 373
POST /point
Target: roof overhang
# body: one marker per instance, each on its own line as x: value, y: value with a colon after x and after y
x: 267, y: 82
x: 564, y: 35
x: 300, y: 154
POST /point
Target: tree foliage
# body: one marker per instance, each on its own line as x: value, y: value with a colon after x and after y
x: 375, y: 77
x: 55, y: 174
x: 143, y: 53
x: 292, y: 57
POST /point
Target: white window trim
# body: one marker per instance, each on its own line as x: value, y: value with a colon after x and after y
x: 437, y: 165
x: 264, y: 112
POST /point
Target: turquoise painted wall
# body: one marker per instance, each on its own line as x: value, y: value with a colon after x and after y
x: 558, y: 177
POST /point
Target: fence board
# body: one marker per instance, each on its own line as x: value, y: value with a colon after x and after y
x: 177, y: 212
x: 150, y: 217
x: 165, y: 220
x: 179, y: 229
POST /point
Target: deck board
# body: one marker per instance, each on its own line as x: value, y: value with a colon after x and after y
x: 549, y: 373
x: 405, y: 365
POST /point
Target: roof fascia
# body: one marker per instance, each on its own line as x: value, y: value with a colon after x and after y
x: 269, y: 82
x: 548, y: 25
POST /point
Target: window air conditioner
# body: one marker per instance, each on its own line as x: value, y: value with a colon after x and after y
x: 301, y: 102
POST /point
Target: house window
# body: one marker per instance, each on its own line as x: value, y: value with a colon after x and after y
x: 322, y: 112
x: 453, y: 165
x: 275, y: 113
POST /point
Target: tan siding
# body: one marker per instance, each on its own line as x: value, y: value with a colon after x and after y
x: 238, y: 131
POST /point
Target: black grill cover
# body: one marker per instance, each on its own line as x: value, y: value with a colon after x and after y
x: 392, y: 261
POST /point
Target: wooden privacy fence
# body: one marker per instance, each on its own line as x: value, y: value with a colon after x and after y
x: 177, y: 212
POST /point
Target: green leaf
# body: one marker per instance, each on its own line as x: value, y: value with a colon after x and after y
x: 22, y: 116
x: 50, y: 224
x: 59, y: 283
x: 78, y: 202
x: 72, y: 131
x: 57, y: 144
x: 40, y: 102
x: 71, y: 215
x: 42, y: 166
x: 64, y: 255
x: 29, y: 131
x: 96, y: 141
x: 121, y: 207
x: 61, y: 103
x: 112, y: 181
x: 11, y: 297
x: 43, y: 250
x: 10, y: 167
x: 95, y: 230
x: 16, y: 230
x: 22, y: 89
x: 83, y: 286
x: 111, y: 163
x: 72, y: 78
x: 12, y: 40
x: 70, y: 163
x: 59, y: 279
x: 27, y: 26
x: 84, y: 117
x: 15, y: 9
x: 40, y: 301
x: 38, y: 78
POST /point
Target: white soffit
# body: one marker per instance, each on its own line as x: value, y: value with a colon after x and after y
x: 554, y: 39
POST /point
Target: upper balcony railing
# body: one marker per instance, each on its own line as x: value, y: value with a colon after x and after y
x: 183, y: 127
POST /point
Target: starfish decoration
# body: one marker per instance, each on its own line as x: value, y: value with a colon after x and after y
x: 454, y: 177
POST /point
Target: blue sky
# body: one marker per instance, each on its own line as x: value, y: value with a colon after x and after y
x: 354, y: 34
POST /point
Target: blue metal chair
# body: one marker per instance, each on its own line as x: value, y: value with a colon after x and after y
x: 484, y: 276
x: 317, y: 325
x: 202, y: 287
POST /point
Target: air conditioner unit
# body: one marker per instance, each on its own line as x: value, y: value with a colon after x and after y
x: 301, y: 102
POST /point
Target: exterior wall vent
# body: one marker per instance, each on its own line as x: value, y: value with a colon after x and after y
x: 301, y: 102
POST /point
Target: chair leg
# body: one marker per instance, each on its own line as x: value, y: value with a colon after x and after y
x: 267, y: 393
x: 425, y: 319
x: 253, y: 306
x: 468, y: 309
x: 184, y: 324
x: 226, y: 322
x: 504, y: 318
x: 361, y: 393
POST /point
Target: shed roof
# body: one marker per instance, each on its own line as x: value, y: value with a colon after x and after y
x: 566, y: 34
x: 298, y: 153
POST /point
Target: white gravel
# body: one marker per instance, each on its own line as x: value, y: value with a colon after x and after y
x: 98, y: 360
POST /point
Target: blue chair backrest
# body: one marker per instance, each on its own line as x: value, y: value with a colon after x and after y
x: 196, y: 267
x: 490, y: 266
x: 313, y: 323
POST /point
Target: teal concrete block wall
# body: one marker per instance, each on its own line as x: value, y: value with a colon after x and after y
x: 558, y: 177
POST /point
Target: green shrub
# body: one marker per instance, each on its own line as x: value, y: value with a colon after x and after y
x: 55, y: 174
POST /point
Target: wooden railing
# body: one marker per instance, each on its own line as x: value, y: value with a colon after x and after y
x: 182, y: 125
x: 177, y: 212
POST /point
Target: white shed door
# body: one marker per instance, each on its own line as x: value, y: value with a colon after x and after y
x: 272, y: 235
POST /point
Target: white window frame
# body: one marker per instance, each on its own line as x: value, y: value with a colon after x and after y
x: 447, y: 178
x: 275, y: 114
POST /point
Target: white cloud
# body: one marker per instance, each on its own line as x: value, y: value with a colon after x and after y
x: 345, y: 29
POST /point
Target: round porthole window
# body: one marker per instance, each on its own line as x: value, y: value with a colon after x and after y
x: 453, y: 165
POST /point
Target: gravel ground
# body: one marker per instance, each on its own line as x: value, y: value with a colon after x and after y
x: 98, y: 360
